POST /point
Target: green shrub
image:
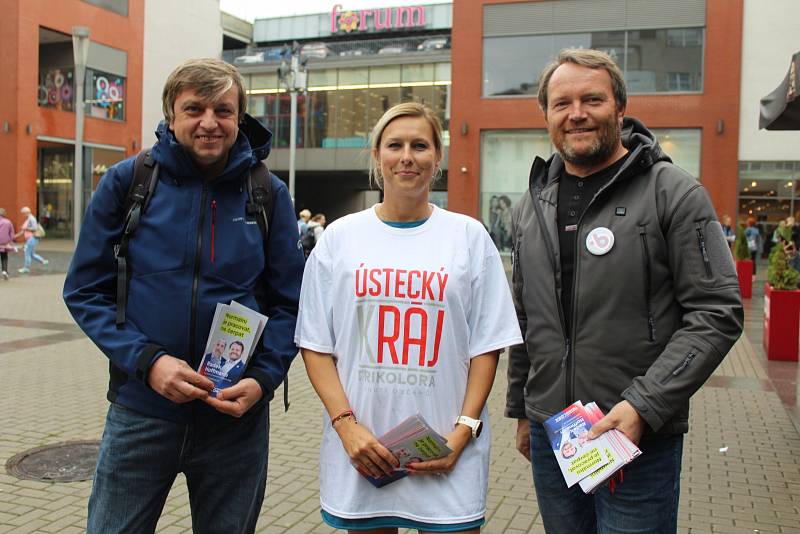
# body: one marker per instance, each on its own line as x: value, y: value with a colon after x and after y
x: 740, y: 249
x: 780, y: 274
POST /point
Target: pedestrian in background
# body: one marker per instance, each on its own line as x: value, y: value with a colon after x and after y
x: 6, y: 242
x: 626, y: 295
x: 302, y: 221
x: 29, y: 230
x: 405, y: 308
x: 753, y: 240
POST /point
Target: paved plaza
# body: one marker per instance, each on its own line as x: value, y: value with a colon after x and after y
x: 741, y: 471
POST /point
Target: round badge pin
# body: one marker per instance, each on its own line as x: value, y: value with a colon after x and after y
x: 600, y: 241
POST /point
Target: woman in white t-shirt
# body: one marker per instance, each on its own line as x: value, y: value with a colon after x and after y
x: 404, y: 310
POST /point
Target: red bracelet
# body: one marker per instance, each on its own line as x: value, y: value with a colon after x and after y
x: 343, y: 415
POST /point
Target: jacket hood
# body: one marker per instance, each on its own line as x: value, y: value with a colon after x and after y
x: 253, y: 144
x: 641, y: 143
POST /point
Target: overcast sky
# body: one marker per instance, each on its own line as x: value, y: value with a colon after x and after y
x: 259, y: 9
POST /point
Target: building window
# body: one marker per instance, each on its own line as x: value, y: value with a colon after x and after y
x: 653, y: 61
x: 117, y: 6
x: 506, y: 159
x: 682, y: 145
x: 57, y: 89
x: 342, y: 105
x: 105, y: 95
x: 769, y: 192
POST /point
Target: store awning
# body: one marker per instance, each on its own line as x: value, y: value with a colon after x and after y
x: 780, y: 110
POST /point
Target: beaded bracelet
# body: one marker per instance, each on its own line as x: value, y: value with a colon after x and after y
x: 343, y: 415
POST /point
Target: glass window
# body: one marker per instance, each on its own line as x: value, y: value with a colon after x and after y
x: 506, y: 159
x: 105, y: 95
x: 264, y: 82
x: 658, y: 59
x: 511, y: 65
x: 117, y: 6
x: 352, y: 129
x: 321, y: 80
x: 55, y: 189
x: 322, y: 119
x: 682, y: 145
x: 353, y: 78
x: 653, y: 60
x: 384, y: 75
x: 418, y: 73
x: 442, y: 72
x: 380, y: 100
x: 56, y: 89
x: 770, y: 192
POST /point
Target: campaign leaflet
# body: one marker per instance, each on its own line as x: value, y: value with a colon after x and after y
x: 235, y: 331
x: 413, y: 440
x: 577, y: 456
x: 621, y: 452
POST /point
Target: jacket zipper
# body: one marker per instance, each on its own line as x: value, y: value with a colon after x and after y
x: 213, y: 226
x: 686, y: 361
x: 196, y: 277
x: 651, y: 323
x: 701, y: 241
x: 535, y: 193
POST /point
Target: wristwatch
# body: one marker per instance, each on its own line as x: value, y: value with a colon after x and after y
x: 476, y: 425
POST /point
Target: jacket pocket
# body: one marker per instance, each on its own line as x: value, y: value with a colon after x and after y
x: 701, y: 245
x: 648, y: 282
x: 682, y: 366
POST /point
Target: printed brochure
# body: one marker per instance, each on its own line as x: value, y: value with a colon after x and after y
x: 235, y: 331
x: 413, y: 440
x: 587, y: 462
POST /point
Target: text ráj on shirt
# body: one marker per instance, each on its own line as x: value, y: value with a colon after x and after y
x: 400, y: 316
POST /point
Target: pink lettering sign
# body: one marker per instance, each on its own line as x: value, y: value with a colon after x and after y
x: 378, y: 19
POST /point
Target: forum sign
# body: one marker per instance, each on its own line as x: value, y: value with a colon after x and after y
x: 361, y: 20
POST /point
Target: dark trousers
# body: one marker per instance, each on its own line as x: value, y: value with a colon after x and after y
x: 224, y: 461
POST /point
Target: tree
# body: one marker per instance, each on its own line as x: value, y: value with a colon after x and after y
x: 780, y: 274
x: 740, y: 249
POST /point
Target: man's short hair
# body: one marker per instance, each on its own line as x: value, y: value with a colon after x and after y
x: 593, y: 59
x: 210, y: 78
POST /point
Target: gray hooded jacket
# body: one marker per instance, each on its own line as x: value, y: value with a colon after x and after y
x: 652, y: 318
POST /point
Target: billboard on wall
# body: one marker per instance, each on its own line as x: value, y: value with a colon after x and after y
x: 361, y: 20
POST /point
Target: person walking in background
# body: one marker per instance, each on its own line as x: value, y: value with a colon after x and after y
x: 626, y: 294
x: 6, y: 242
x: 728, y: 230
x: 404, y: 310
x: 753, y: 240
x: 28, y: 231
x: 302, y: 221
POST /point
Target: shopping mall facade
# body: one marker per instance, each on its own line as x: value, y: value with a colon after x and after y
x: 695, y: 71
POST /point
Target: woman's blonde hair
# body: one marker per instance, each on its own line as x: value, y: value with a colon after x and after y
x: 406, y: 109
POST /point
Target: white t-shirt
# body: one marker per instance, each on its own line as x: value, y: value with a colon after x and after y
x: 402, y: 311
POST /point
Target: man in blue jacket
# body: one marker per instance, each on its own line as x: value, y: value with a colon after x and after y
x: 196, y: 245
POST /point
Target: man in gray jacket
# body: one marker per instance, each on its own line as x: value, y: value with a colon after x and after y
x: 626, y: 295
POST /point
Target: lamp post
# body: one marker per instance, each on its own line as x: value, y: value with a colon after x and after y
x: 293, y: 76
x: 80, y: 51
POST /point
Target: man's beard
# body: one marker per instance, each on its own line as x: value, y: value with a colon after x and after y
x: 601, y: 149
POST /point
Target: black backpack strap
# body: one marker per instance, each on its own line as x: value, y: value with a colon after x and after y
x: 260, y: 204
x: 145, y: 177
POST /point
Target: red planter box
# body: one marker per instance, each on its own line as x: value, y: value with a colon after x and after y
x: 744, y: 270
x: 781, y: 323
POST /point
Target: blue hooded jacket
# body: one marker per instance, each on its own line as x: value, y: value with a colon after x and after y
x: 178, y: 272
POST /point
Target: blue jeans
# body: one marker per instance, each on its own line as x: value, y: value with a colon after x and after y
x: 30, y: 252
x: 646, y: 502
x: 224, y: 461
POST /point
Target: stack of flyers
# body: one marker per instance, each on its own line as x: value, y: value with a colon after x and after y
x: 234, y: 334
x: 584, y: 461
x: 413, y: 440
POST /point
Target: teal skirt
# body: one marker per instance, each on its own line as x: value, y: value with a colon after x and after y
x: 389, y: 521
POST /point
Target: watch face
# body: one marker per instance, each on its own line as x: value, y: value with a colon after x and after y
x: 478, y: 429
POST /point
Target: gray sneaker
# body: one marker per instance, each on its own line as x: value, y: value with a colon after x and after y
x: 4, y: 275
